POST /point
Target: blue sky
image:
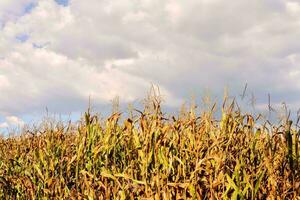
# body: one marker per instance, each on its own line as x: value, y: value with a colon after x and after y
x: 29, y: 7
x: 63, y: 2
x: 58, y: 53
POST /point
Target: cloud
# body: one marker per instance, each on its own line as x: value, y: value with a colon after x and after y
x: 12, y: 121
x: 11, y: 10
x: 51, y: 79
x: 57, y: 56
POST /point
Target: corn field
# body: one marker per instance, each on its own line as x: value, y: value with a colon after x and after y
x: 151, y: 155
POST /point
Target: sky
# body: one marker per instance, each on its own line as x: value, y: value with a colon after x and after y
x: 56, y: 54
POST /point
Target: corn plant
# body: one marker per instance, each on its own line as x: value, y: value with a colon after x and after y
x: 152, y: 155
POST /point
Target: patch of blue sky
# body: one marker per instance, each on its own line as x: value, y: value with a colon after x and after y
x: 62, y: 2
x: 2, y: 119
x: 36, y: 119
x: 40, y: 46
x: 29, y: 7
x: 23, y: 37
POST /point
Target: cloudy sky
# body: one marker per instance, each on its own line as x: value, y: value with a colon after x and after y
x: 57, y: 53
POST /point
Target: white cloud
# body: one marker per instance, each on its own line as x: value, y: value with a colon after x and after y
x: 107, y: 48
x: 47, y: 77
x: 293, y: 7
x: 4, y: 125
x: 12, y: 121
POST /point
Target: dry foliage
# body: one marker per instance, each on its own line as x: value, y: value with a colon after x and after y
x: 154, y: 157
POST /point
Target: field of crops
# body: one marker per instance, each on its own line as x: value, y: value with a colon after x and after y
x: 151, y: 155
